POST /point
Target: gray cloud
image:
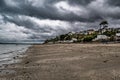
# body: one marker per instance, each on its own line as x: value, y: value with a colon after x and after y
x: 80, y: 2
x: 42, y: 19
x: 114, y: 2
x: 42, y: 9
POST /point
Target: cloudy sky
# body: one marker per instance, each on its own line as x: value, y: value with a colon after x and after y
x: 43, y: 19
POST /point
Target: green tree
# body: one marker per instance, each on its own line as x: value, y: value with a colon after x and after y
x: 103, y: 24
x: 109, y: 33
x: 62, y: 37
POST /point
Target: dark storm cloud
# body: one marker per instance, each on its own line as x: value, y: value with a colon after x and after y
x: 2, y: 3
x: 47, y: 10
x: 80, y: 2
x: 114, y: 2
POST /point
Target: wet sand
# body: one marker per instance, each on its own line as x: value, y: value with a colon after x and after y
x: 66, y: 62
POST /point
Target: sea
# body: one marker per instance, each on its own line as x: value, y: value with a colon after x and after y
x: 11, y: 53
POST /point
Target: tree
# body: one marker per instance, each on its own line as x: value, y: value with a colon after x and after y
x: 87, y: 39
x: 62, y: 37
x: 109, y: 33
x: 103, y: 24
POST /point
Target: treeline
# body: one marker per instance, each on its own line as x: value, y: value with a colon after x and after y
x: 88, y: 36
x: 83, y: 37
x: 78, y: 37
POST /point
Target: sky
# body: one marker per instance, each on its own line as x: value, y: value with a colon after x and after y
x: 34, y: 20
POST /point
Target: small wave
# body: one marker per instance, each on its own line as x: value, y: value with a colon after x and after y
x: 12, y: 56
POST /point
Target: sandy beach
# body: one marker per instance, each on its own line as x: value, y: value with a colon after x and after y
x: 66, y: 62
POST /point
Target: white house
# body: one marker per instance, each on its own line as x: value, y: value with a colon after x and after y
x: 71, y: 33
x: 90, y: 31
x: 118, y: 36
x: 74, y: 39
x: 101, y: 37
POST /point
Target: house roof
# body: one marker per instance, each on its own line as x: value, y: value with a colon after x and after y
x: 90, y: 30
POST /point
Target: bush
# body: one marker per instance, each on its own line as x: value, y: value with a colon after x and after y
x: 109, y: 33
x: 88, y: 38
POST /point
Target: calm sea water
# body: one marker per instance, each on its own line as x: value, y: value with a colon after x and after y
x: 11, y: 53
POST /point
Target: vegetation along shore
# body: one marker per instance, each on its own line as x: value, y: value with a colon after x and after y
x: 103, y: 34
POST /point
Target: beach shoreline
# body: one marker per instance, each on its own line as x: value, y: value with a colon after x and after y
x: 66, y: 62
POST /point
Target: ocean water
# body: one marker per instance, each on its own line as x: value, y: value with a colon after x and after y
x: 11, y: 53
